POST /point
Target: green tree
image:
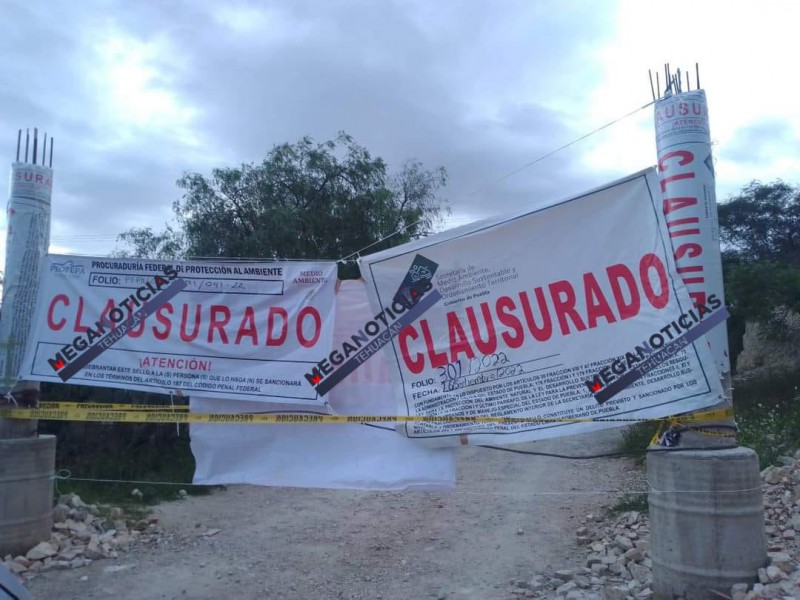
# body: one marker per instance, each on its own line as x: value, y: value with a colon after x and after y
x: 762, y: 224
x: 304, y: 200
x: 145, y: 243
x: 760, y: 232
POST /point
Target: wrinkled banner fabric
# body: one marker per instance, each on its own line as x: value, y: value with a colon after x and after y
x: 542, y: 313
x: 323, y: 456
x: 28, y: 219
x: 237, y: 330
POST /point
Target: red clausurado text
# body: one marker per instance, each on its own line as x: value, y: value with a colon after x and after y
x: 200, y: 323
x: 537, y: 315
x: 681, y: 207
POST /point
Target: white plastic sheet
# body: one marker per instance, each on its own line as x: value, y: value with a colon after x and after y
x: 341, y: 456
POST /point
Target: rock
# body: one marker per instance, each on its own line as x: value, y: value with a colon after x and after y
x: 574, y: 595
x: 789, y: 534
x: 786, y: 461
x: 599, y: 568
x: 81, y: 531
x: 795, y: 522
x: 41, y: 551
x: 116, y: 513
x: 520, y: 532
x: 774, y: 574
x: 116, y: 568
x: 563, y: 589
x: 23, y: 561
x: 71, y: 553
x: 639, y: 572
x: 645, y: 593
x: 182, y: 493
x: 74, y: 501
x: 633, y: 517
x: 582, y: 531
x: 536, y: 585
x: 617, y: 568
x: 582, y: 581
x: 76, y: 563
x: 95, y: 550
x: 762, y: 576
x: 772, y: 475
x: 60, y: 513
x: 564, y: 574
x: 623, y: 542
x: 739, y: 587
x: 107, y: 536
x: 614, y: 593
x: 15, y: 567
x: 211, y: 532
x: 781, y: 560
x: 123, y: 540
x: 634, y: 554
x: 583, y: 540
x: 141, y: 525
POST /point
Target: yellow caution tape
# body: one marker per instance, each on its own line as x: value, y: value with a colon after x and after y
x: 98, y: 406
x: 90, y: 412
x: 657, y: 434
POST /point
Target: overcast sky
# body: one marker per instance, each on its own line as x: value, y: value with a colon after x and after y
x: 136, y: 93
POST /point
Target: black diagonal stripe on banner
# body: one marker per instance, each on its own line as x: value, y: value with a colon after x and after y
x: 658, y: 358
x: 383, y: 338
x: 122, y: 330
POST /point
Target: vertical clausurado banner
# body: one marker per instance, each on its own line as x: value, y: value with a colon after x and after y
x: 570, y: 310
x: 687, y: 183
x: 28, y: 219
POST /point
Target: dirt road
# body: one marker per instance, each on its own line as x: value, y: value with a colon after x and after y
x: 510, y: 517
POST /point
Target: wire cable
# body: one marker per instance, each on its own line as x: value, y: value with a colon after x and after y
x: 564, y: 147
x: 515, y: 171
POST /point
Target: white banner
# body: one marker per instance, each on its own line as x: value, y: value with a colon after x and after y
x: 323, y: 456
x: 686, y: 177
x: 27, y: 238
x: 238, y: 330
x: 570, y: 311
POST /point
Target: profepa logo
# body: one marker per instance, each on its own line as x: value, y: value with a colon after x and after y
x: 659, y: 348
x: 413, y: 298
x: 87, y: 347
x: 67, y: 268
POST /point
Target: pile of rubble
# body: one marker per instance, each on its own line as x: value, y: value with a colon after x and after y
x: 83, y: 533
x: 618, y: 566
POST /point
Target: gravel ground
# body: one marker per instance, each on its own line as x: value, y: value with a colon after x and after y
x: 511, y: 516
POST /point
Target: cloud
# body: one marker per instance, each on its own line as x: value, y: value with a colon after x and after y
x: 137, y: 93
x: 761, y: 141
